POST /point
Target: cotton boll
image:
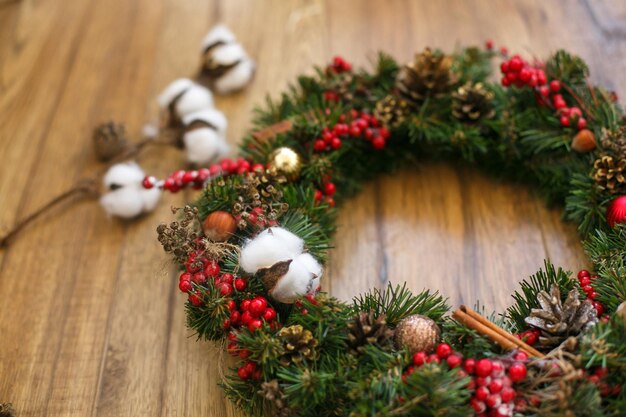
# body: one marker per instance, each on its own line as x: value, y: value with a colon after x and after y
x: 263, y: 251
x: 228, y: 54
x: 194, y: 99
x: 171, y: 91
x: 125, y: 202
x: 296, y: 282
x: 292, y: 242
x: 203, y: 145
x: 211, y: 116
x: 311, y: 264
x: 150, y: 198
x: 236, y: 78
x: 219, y: 33
x: 124, y: 174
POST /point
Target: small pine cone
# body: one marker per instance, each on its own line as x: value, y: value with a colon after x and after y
x: 367, y: 329
x: 392, y: 111
x: 109, y: 140
x: 429, y: 75
x: 557, y: 320
x: 298, y: 344
x: 608, y: 174
x: 271, y: 391
x: 472, y: 102
x: 7, y: 410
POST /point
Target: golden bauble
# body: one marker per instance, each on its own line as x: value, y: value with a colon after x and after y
x: 219, y: 226
x: 287, y: 162
x: 416, y: 333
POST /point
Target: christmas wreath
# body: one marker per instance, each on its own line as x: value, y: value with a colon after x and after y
x: 252, y: 248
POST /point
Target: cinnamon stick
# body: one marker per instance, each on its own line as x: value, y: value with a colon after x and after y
x: 475, y: 321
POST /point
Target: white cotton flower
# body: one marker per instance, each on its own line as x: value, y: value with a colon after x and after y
x: 170, y: 92
x: 194, y: 99
x: 295, y: 283
x: 314, y: 267
x: 204, y: 145
x: 265, y: 250
x: 126, y: 196
x: 236, y: 78
x: 228, y: 54
x: 293, y: 243
x: 211, y: 116
x: 219, y: 33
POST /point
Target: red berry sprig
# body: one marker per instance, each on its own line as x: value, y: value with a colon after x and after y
x: 492, y: 379
x: 197, y: 178
x: 520, y: 73
x: 339, y: 65
x: 326, y: 194
x: 585, y: 280
x: 358, y: 125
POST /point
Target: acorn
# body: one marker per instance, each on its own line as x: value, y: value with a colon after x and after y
x: 219, y: 226
x: 584, y: 141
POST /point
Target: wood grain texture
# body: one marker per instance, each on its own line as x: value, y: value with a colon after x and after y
x: 91, y: 323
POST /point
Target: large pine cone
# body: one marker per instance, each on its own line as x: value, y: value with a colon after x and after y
x: 429, y: 75
x: 558, y: 320
x: 608, y: 174
x: 366, y: 329
x: 472, y: 102
x: 298, y: 344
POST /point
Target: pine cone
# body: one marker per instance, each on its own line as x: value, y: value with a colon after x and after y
x: 109, y: 140
x: 472, y: 102
x: 608, y: 174
x: 298, y: 344
x: 558, y: 320
x: 429, y: 75
x: 367, y: 329
x: 272, y: 392
x: 392, y: 111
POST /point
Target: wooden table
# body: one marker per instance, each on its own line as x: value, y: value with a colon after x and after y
x: 91, y: 322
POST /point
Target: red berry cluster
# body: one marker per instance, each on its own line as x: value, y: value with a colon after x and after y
x: 358, y: 125
x: 585, y: 279
x: 250, y: 370
x: 518, y: 72
x: 529, y: 336
x: 338, y: 66
x: 326, y: 193
x: 598, y: 379
x: 196, y: 178
x: 250, y: 313
x: 492, y: 379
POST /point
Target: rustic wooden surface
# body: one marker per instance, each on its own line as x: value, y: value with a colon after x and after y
x: 91, y: 323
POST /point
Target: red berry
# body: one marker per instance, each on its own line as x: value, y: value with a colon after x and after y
x: 330, y: 201
x: 246, y: 317
x: 227, y: 278
x: 226, y: 323
x: 444, y: 350
x: 493, y: 401
x: 517, y: 372
x: 583, y: 273
x: 432, y: 358
x: 244, y: 353
x: 469, y: 366
x: 592, y: 295
x: 478, y: 406
x: 329, y: 188
x: 497, y: 369
x: 195, y: 298
x: 378, y: 142
x: 564, y: 121
x: 269, y: 314
x: 419, y: 358
x: 525, y: 74
x: 541, y: 77
x: 319, y: 145
x: 148, y: 182
x: 235, y: 316
x: 225, y: 289
x: 355, y: 131
x: 185, y: 276
x: 212, y: 269
x: 489, y: 44
x: 599, y: 308
x: 243, y: 373
x: 515, y: 64
x: 240, y: 284
x: 581, y: 124
x: 198, y: 278
x: 257, y: 306
x: 505, y: 82
x: 454, y: 361
x: 496, y: 385
x: 384, y: 132
x: 255, y: 324
x: 520, y: 356
x: 482, y: 393
x: 584, y: 281
x: 544, y: 91
x: 555, y: 86
x: 484, y: 367
x: 335, y: 143
x: 185, y: 285
x: 245, y: 305
x: 588, y: 289
x: 508, y: 394
x: 257, y: 375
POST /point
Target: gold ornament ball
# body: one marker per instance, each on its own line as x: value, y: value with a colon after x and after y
x: 287, y: 162
x: 219, y: 226
x: 417, y: 333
